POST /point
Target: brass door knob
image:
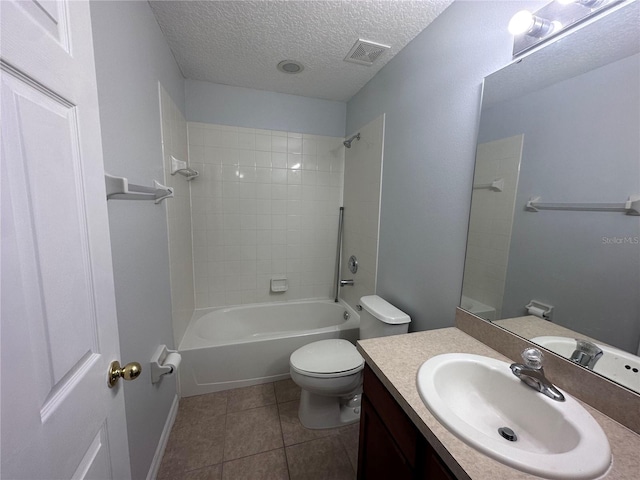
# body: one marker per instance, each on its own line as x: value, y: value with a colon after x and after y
x: 130, y: 371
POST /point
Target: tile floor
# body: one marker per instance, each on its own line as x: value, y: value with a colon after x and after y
x: 253, y: 433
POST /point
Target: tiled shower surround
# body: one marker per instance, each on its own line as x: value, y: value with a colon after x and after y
x: 265, y: 206
x: 491, y: 221
x: 363, y: 177
x: 174, y: 143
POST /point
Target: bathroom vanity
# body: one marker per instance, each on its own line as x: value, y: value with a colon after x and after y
x: 401, y: 439
x: 391, y: 446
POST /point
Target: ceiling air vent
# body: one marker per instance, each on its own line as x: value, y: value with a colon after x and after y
x: 365, y: 52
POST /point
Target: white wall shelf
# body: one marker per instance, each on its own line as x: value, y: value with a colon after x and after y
x: 119, y: 188
x: 497, y: 185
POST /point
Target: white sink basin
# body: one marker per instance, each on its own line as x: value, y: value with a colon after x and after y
x: 620, y: 366
x: 474, y: 396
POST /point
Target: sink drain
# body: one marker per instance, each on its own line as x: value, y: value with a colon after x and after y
x: 506, y: 432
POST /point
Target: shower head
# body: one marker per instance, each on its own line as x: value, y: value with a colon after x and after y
x: 347, y: 143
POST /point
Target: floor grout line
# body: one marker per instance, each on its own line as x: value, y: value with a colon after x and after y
x: 247, y: 456
x: 224, y: 439
x: 252, y: 408
x: 286, y: 458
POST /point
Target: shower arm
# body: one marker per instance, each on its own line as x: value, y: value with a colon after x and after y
x: 347, y: 143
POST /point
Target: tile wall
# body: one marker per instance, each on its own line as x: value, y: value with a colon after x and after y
x: 174, y: 142
x: 265, y: 205
x: 362, y: 180
x: 491, y: 221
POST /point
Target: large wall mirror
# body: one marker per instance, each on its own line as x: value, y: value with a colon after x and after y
x: 561, y: 128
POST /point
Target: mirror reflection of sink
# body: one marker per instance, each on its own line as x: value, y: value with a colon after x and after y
x: 475, y: 396
x: 618, y: 365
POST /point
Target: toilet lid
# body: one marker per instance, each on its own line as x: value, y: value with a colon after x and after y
x: 327, y: 356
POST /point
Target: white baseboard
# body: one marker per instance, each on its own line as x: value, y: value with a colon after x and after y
x: 164, y: 438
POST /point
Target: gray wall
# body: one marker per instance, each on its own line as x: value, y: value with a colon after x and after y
x: 430, y: 93
x: 131, y: 56
x: 588, y: 152
x: 249, y: 108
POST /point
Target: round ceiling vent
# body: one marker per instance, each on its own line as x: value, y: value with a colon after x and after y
x: 290, y: 66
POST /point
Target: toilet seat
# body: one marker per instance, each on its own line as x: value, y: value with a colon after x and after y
x: 327, y: 359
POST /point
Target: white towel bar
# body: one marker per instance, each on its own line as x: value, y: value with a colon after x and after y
x: 630, y: 207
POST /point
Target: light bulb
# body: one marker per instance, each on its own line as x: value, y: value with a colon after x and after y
x: 525, y: 22
x: 521, y: 22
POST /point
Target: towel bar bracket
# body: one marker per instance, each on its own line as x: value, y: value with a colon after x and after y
x: 181, y: 167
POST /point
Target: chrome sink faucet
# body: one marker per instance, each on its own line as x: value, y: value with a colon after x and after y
x: 586, y: 354
x: 531, y: 373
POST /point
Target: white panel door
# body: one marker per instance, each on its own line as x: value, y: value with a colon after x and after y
x: 58, y: 331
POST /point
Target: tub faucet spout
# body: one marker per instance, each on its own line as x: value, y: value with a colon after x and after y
x: 344, y: 283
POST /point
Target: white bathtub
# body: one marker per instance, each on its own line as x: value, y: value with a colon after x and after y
x: 240, y: 346
x: 478, y: 308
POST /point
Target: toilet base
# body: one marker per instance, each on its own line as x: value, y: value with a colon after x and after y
x: 318, y: 411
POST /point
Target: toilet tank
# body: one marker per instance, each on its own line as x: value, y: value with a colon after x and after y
x: 379, y: 318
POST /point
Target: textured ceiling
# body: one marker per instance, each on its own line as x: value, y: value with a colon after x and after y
x: 240, y: 42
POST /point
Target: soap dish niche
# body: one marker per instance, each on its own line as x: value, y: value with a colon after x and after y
x: 279, y: 284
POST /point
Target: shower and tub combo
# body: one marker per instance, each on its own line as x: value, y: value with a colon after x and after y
x: 311, y: 341
x: 235, y: 347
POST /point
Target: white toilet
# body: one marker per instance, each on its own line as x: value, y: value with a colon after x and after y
x: 329, y: 372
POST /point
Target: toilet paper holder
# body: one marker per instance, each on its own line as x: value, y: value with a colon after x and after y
x: 164, y: 362
x: 539, y: 309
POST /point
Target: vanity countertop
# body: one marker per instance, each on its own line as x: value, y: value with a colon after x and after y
x: 531, y: 326
x: 396, y: 360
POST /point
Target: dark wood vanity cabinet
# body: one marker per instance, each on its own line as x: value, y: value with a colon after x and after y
x: 391, y: 447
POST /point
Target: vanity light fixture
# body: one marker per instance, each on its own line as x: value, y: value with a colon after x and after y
x: 532, y: 29
x: 584, y: 3
x: 525, y: 22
